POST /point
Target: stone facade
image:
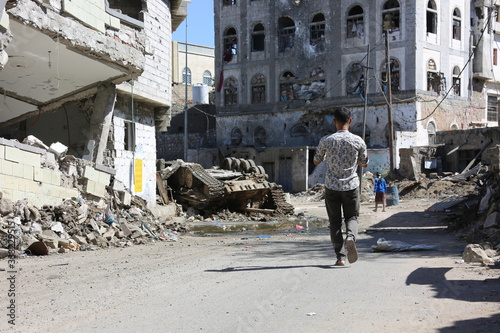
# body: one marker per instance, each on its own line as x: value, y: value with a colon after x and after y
x: 286, y: 65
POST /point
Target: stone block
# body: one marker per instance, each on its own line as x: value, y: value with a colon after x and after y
x: 42, y: 175
x: 94, y: 188
x: 55, y: 177
x: 493, y: 220
x: 91, y: 174
x: 109, y: 234
x: 125, y: 197
x: 137, y: 234
x: 79, y: 239
x: 19, y: 156
x: 104, y: 178
x: 125, y: 229
x: 2, y: 152
x: 92, y: 239
x: 51, y: 243
x: 58, y: 149
x: 28, y: 172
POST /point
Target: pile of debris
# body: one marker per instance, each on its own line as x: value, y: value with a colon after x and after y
x: 78, y: 224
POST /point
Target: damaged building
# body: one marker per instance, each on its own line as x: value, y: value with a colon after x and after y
x: 91, y: 79
x: 411, y: 68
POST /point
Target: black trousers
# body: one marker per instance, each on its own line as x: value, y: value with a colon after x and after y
x: 338, y: 202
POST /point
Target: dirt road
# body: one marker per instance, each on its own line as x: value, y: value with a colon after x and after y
x: 284, y: 283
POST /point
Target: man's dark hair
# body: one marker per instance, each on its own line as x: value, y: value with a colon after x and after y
x: 342, y: 115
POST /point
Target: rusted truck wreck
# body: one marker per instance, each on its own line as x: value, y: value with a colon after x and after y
x: 239, y: 185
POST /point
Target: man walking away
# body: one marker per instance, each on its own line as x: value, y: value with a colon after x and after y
x: 343, y: 152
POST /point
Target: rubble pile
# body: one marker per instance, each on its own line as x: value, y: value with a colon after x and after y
x: 78, y: 224
x: 477, y: 218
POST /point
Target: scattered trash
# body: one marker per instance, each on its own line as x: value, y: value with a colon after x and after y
x: 384, y: 245
x: 261, y: 236
x: 299, y: 227
x: 311, y: 313
x: 65, y: 264
x: 461, y: 261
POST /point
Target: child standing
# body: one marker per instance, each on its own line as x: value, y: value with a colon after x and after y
x: 379, y: 188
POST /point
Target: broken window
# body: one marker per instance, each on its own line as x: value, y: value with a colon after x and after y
x: 355, y: 25
x: 258, y: 38
x: 298, y: 130
x: 395, y: 71
x: 434, y: 79
x: 286, y: 33
x: 317, y: 29
x: 131, y: 8
x: 456, y: 81
x: 129, y: 136
x: 457, y: 24
x: 492, y: 114
x: 258, y: 89
x: 431, y: 133
x: 287, y: 81
x: 186, y: 75
x: 431, y: 17
x: 260, y: 137
x: 231, y: 91
x: 207, y: 78
x: 390, y: 16
x: 230, y: 44
x: 236, y: 136
x: 229, y: 2
x: 355, y: 79
x: 312, y: 88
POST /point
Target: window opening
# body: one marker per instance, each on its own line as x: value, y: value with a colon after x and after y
x: 231, y: 91
x: 355, y: 26
x: 287, y: 87
x: 492, y: 108
x: 186, y: 75
x: 355, y: 80
x: 495, y: 57
x: 129, y: 136
x: 317, y: 28
x: 260, y: 137
x: 434, y: 79
x: 133, y: 8
x: 207, y: 78
x: 457, y: 25
x: 286, y: 32
x: 236, y: 136
x: 395, y: 71
x: 431, y: 133
x: 390, y: 16
x: 230, y: 44
x: 258, y: 89
x: 229, y: 2
x: 456, y: 81
x: 258, y: 38
x: 431, y: 17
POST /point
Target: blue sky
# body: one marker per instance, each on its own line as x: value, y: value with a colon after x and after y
x: 200, y: 24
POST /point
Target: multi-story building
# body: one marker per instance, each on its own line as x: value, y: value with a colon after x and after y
x: 192, y: 88
x: 94, y: 75
x: 283, y: 66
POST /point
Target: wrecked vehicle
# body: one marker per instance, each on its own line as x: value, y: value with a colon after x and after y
x: 239, y: 185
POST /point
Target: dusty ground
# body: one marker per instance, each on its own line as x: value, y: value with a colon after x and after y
x: 282, y: 283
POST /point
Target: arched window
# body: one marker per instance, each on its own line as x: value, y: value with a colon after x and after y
x: 258, y: 38
x: 457, y: 24
x: 355, y: 25
x: 230, y: 42
x: 431, y: 133
x: 207, y: 78
x: 186, y: 75
x: 317, y: 30
x: 258, y: 89
x: 298, y: 130
x: 260, y: 137
x: 286, y: 33
x: 431, y: 17
x: 230, y: 91
x: 355, y: 80
x: 456, y: 81
x: 434, y: 78
x: 287, y: 91
x: 391, y: 16
x: 395, y: 69
x: 236, y: 136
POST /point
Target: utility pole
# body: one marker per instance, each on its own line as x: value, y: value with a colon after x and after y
x: 389, y: 100
x: 185, y: 72
x: 365, y: 93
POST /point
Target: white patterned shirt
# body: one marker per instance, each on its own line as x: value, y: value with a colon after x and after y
x: 342, y: 151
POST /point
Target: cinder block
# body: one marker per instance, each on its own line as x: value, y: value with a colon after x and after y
x: 28, y: 171
x: 104, y: 178
x: 7, y: 167
x: 91, y: 174
x: 18, y: 171
x: 20, y: 156
x: 2, y: 152
x: 10, y: 182
x: 55, y: 177
x: 96, y: 189
x: 31, y: 186
x: 41, y: 175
